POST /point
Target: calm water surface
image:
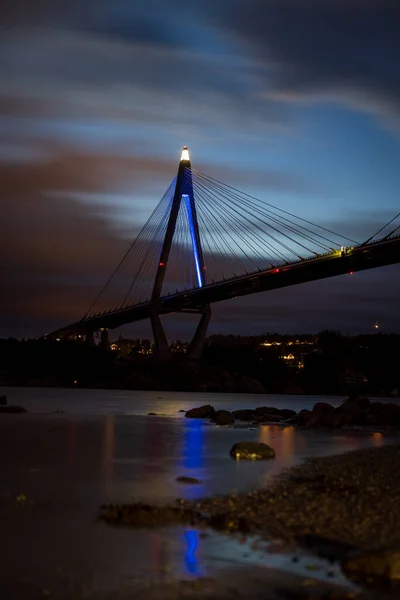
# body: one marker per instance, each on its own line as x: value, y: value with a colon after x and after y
x: 104, y: 448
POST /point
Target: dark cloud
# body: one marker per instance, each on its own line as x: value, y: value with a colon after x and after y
x: 347, y: 50
x: 87, y: 88
x: 57, y: 251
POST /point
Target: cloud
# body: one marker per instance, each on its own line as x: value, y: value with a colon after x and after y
x: 96, y: 94
x: 341, y: 51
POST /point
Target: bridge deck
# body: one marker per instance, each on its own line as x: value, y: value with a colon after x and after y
x: 359, y: 258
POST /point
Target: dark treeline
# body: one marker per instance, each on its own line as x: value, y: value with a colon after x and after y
x: 327, y: 363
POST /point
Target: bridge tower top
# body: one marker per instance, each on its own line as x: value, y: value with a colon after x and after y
x: 185, y: 155
x: 183, y: 195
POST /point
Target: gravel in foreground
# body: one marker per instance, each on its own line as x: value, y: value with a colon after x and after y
x: 352, y: 499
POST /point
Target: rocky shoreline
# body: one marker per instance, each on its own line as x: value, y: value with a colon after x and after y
x: 344, y: 508
x: 354, y: 412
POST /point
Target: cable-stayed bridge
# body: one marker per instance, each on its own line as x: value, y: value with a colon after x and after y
x: 206, y: 242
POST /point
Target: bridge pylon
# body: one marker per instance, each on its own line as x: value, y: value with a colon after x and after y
x: 183, y: 194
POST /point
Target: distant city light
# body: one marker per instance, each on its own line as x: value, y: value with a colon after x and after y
x: 376, y: 326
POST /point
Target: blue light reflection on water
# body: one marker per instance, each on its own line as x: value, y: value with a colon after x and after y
x: 191, y: 561
x: 193, y: 459
x: 194, y: 442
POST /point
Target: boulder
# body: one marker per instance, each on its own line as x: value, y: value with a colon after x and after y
x: 287, y: 413
x: 313, y: 420
x: 343, y: 419
x: 355, y: 411
x: 201, y: 412
x: 9, y: 408
x: 303, y: 417
x: 252, y: 451
x: 292, y: 421
x: 268, y: 418
x: 184, y: 479
x: 384, y: 564
x: 323, y: 408
x: 391, y: 408
x: 243, y: 415
x: 352, y: 401
x: 383, y: 414
x: 223, y: 417
x: 267, y: 410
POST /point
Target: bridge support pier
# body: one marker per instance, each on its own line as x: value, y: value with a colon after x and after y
x: 196, y: 345
x: 160, y: 339
x: 104, y: 343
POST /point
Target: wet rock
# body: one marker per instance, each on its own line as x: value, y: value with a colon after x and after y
x: 361, y: 401
x: 223, y: 417
x: 184, y: 479
x: 201, y: 412
x: 323, y: 408
x: 383, y: 414
x: 265, y: 419
x: 306, y: 418
x: 243, y: 415
x: 354, y: 411
x: 391, y: 408
x: 303, y: 417
x: 10, y: 408
x: 292, y: 421
x: 266, y: 410
x: 151, y: 414
x: 287, y: 413
x: 182, y: 410
x: 332, y: 550
x: 376, y: 565
x: 343, y: 419
x: 354, y: 406
x: 252, y: 451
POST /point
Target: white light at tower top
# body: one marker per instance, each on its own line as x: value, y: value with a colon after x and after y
x: 185, y: 153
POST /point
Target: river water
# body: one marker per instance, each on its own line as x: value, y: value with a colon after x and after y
x: 77, y: 449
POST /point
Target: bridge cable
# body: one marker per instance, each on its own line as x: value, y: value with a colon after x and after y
x: 241, y: 194
x: 382, y: 228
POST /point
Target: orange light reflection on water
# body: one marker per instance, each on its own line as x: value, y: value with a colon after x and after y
x: 377, y: 438
x: 108, y: 447
x: 281, y: 439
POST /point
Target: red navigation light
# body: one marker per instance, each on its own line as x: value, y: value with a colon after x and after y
x: 351, y: 273
x: 204, y: 268
x: 161, y: 264
x: 276, y: 271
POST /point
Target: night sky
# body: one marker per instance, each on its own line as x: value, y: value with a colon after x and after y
x: 294, y: 101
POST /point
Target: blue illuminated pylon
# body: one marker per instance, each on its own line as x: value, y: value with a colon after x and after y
x: 195, y: 243
x: 183, y: 191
